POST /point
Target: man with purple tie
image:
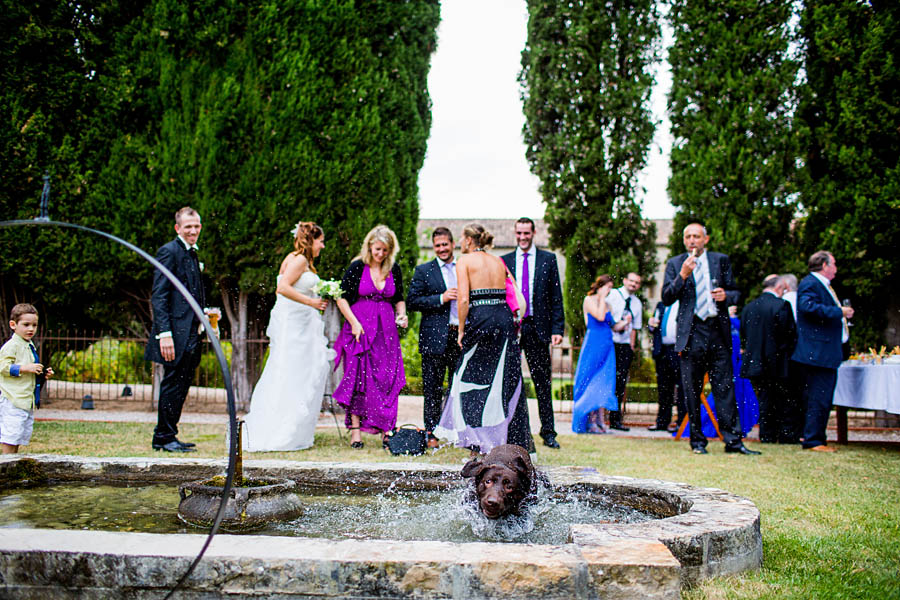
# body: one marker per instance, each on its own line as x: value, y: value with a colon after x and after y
x: 543, y: 321
x: 432, y: 292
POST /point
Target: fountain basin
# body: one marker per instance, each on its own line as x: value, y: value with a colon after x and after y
x: 700, y: 533
x: 247, y: 508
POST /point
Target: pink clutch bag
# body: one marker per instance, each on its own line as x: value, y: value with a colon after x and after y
x: 511, y: 300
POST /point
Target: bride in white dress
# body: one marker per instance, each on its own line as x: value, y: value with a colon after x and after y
x: 285, y: 405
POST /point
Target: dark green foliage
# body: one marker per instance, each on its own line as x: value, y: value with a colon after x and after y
x: 586, y: 87
x: 734, y: 152
x: 851, y: 198
x: 258, y: 114
x: 50, y: 95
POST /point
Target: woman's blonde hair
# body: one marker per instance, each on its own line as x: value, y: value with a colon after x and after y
x: 478, y: 234
x: 383, y: 234
x: 307, y: 233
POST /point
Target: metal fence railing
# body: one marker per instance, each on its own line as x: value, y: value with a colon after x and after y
x: 111, y: 368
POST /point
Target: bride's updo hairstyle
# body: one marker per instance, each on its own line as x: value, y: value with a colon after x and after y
x: 478, y: 234
x: 383, y: 234
x: 599, y: 283
x: 307, y: 233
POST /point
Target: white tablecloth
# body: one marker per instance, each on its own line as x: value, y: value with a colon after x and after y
x: 874, y: 387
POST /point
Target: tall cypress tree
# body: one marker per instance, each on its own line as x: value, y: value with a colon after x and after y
x: 258, y: 114
x: 52, y: 62
x: 586, y: 87
x: 734, y: 152
x: 851, y: 192
x: 264, y: 114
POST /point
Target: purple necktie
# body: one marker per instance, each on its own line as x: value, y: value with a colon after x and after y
x: 526, y: 288
x: 451, y: 278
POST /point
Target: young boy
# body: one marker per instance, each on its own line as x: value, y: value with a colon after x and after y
x: 21, y: 377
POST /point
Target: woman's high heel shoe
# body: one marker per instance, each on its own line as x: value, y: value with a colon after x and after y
x: 355, y: 445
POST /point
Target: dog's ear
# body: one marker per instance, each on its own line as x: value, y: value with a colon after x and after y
x: 520, y: 466
x: 473, y: 467
x: 523, y: 469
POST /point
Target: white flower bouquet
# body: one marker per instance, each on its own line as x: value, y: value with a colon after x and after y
x: 328, y: 288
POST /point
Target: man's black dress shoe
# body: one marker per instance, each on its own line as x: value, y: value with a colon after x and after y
x: 620, y: 427
x: 655, y: 428
x: 173, y: 446
x: 186, y: 444
x: 742, y: 449
x: 550, y: 442
x: 699, y: 450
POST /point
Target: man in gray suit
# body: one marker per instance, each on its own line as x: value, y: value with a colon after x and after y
x: 703, y: 284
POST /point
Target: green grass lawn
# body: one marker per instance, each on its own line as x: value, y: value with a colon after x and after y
x: 830, y: 522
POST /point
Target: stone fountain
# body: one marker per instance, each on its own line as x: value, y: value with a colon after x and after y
x: 252, y: 502
x: 698, y: 533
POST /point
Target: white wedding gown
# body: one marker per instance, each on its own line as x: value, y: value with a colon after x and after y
x: 285, y: 405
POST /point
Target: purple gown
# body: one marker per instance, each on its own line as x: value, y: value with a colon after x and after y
x: 373, y: 366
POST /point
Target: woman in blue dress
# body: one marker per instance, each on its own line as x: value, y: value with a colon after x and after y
x: 595, y: 376
x: 744, y: 397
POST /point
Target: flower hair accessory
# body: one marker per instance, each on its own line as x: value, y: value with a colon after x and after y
x: 296, y: 228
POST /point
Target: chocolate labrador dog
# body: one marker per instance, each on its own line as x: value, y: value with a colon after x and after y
x: 504, y: 479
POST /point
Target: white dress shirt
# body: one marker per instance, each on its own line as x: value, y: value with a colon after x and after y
x: 616, y: 301
x: 532, y: 258
x: 702, y: 270
x: 791, y: 298
x: 449, y: 284
x: 670, y: 325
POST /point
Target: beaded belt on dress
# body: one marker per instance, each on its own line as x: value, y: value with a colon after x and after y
x: 487, y: 302
x: 481, y: 297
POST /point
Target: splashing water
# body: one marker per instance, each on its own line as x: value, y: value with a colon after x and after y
x: 399, y: 515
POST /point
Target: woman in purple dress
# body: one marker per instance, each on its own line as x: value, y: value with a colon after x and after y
x: 369, y: 343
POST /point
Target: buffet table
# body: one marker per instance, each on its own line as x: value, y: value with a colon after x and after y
x: 865, y: 386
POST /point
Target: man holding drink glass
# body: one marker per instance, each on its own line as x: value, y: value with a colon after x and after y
x: 703, y: 283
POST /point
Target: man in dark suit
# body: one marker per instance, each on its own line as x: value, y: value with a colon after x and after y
x: 821, y: 329
x: 703, y: 284
x: 669, y: 390
x: 768, y: 337
x: 543, y: 321
x: 175, y: 338
x: 432, y: 292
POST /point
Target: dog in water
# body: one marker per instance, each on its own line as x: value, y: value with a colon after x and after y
x: 504, y: 480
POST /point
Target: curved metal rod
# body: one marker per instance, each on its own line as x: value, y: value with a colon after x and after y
x: 223, y: 363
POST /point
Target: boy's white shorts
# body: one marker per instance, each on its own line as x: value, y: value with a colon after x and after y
x: 16, y: 424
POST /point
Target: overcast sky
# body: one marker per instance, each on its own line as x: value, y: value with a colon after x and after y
x: 475, y: 166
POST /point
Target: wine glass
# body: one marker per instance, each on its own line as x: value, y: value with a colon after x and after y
x: 846, y: 302
x: 713, y: 284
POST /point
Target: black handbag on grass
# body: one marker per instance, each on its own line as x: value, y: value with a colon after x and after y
x: 406, y: 439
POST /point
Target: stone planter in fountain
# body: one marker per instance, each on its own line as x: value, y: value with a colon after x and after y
x: 251, y: 503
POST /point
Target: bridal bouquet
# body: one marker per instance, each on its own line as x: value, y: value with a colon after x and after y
x: 328, y: 288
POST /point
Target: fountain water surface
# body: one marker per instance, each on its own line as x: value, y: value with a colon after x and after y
x: 663, y: 535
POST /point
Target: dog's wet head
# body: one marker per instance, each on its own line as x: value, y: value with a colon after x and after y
x: 500, y: 485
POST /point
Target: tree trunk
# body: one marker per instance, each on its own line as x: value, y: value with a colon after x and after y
x: 236, y: 310
x: 158, y: 372
x: 333, y: 323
